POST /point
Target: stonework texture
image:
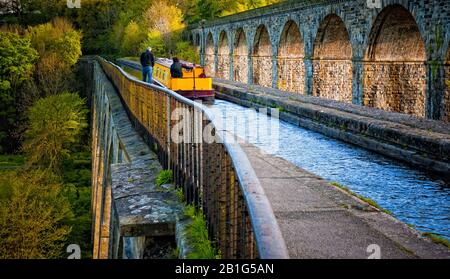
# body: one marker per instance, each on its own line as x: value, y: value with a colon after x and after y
x: 240, y: 58
x: 291, y: 70
x: 332, y: 66
x: 396, y: 87
x: 262, y: 58
x: 223, y: 67
x: 333, y: 80
x: 395, y: 74
x: 209, y: 58
x: 340, y: 50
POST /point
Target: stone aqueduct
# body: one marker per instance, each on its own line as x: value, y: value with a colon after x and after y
x: 395, y: 57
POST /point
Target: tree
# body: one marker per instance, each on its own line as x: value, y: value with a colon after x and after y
x: 32, y: 11
x: 16, y: 66
x: 32, y: 212
x: 156, y: 42
x: 55, y: 123
x: 132, y: 37
x: 59, y: 46
x: 57, y: 37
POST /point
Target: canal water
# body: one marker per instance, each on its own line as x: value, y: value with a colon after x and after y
x: 415, y: 197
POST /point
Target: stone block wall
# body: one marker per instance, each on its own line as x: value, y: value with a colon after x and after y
x: 128, y: 210
x: 223, y: 58
x: 291, y: 74
x: 262, y: 70
x: 333, y: 80
x: 240, y: 58
x: 240, y: 68
x: 291, y: 70
x: 397, y: 87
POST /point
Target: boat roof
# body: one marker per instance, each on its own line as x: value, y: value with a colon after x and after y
x: 168, y: 62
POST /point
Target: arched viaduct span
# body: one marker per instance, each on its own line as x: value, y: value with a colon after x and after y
x: 393, y: 57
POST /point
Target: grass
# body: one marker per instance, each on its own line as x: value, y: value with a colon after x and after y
x: 437, y: 239
x: 9, y: 162
x: 132, y: 58
x: 164, y: 177
x: 179, y: 194
x: 197, y: 234
x: 137, y: 74
x: 365, y: 199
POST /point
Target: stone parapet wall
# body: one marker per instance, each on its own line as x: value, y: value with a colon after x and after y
x: 128, y: 210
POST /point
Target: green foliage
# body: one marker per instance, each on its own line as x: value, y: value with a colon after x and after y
x: 196, y: 10
x: 58, y: 37
x: 155, y: 40
x: 197, y: 234
x: 17, y: 59
x: 132, y: 37
x: 8, y: 162
x: 164, y: 177
x: 437, y: 239
x: 55, y: 124
x: 180, y: 195
x: 33, y: 209
x: 186, y: 51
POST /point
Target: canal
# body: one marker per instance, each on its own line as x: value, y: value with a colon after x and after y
x: 413, y: 196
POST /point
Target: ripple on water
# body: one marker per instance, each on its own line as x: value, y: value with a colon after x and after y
x: 415, y: 197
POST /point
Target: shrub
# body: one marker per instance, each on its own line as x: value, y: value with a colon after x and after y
x: 132, y: 37
x: 32, y: 212
x: 57, y: 37
x: 164, y: 177
x: 16, y: 66
x: 197, y: 233
x: 55, y: 124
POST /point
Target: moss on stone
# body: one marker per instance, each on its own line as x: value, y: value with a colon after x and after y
x: 437, y: 239
x: 365, y: 199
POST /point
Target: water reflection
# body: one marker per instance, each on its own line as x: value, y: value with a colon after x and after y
x: 415, y: 197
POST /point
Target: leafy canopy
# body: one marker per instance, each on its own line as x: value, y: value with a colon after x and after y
x: 55, y: 124
x: 32, y: 212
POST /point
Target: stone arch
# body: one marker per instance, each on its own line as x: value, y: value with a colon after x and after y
x: 332, y: 60
x: 240, y: 57
x: 447, y: 88
x: 209, y: 56
x: 395, y: 69
x: 262, y: 57
x: 223, y: 53
x: 291, y: 69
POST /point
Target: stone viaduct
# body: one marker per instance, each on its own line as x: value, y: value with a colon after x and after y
x: 387, y: 54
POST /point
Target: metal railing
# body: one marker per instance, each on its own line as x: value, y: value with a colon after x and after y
x: 216, y: 177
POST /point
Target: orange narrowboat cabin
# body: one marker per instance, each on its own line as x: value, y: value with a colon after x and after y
x: 193, y: 85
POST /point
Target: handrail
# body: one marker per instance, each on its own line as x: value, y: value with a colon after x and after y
x: 217, y: 177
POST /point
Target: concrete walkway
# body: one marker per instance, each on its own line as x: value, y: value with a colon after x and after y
x: 319, y: 220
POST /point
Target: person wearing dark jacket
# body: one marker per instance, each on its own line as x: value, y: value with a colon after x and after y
x: 147, y: 63
x: 175, y: 68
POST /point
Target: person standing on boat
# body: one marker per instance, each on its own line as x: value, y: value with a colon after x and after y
x: 147, y: 63
x: 175, y: 68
